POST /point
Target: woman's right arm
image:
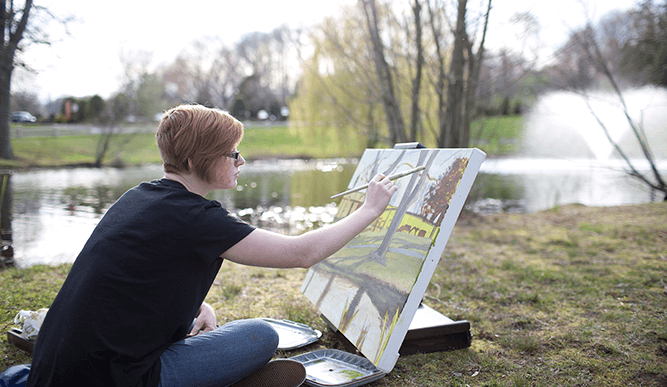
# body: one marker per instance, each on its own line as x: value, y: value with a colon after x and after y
x: 269, y: 249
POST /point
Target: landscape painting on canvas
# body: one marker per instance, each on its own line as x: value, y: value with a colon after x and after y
x: 363, y: 289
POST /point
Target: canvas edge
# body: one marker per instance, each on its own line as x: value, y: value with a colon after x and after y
x: 390, y: 356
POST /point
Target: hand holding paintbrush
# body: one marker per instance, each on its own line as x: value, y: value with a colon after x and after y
x: 392, y: 177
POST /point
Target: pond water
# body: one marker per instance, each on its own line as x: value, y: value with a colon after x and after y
x: 51, y: 213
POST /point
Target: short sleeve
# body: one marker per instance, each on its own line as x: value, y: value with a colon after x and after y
x: 218, y: 230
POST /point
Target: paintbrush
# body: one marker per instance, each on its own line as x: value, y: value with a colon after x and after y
x: 392, y: 177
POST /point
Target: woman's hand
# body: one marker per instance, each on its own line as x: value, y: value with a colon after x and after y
x: 380, y: 191
x: 205, y: 321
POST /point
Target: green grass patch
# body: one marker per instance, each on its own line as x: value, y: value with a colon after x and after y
x: 124, y: 149
x: 550, y: 303
x: 563, y: 298
x: 497, y: 135
x: 494, y: 135
x: 140, y: 148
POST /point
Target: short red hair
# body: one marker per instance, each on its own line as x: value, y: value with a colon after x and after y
x: 195, y: 136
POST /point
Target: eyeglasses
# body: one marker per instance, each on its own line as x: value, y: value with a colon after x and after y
x: 235, y: 155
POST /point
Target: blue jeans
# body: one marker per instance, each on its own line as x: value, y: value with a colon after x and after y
x: 220, y: 357
x: 15, y: 376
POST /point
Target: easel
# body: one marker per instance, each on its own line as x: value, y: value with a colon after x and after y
x: 371, y: 294
x: 430, y: 331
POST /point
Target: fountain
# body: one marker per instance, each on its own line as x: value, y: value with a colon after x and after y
x: 562, y: 126
x: 567, y: 158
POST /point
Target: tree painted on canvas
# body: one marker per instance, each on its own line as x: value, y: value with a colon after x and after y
x: 440, y: 194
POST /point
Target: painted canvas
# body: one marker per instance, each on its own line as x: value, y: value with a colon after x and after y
x: 370, y: 289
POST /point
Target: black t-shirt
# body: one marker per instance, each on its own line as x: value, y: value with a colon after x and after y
x: 134, y: 289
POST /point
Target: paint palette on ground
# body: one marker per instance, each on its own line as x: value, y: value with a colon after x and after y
x: 332, y: 367
x: 371, y: 289
x: 292, y: 334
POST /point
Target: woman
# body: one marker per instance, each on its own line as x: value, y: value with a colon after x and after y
x: 129, y: 301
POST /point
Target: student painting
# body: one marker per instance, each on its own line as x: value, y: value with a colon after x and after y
x: 124, y: 315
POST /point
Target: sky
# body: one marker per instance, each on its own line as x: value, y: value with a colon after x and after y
x: 86, y: 62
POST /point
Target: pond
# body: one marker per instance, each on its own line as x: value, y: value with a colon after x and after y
x: 49, y: 214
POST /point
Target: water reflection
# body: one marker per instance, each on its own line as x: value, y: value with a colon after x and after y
x: 48, y: 215
x: 289, y: 196
x: 55, y: 211
x: 530, y: 185
x: 6, y: 243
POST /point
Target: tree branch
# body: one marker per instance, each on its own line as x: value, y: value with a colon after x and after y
x: 590, y: 45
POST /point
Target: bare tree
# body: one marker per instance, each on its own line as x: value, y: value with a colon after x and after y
x: 392, y: 108
x: 282, y: 45
x: 226, y: 77
x: 457, y: 106
x: 14, y: 22
x: 135, y: 65
x: 255, y: 49
x: 25, y: 101
x: 588, y: 42
x: 644, y: 53
x: 132, y: 99
x: 475, y: 60
x: 450, y: 128
x: 436, y: 21
x: 419, y: 66
x: 118, y: 110
x: 261, y: 59
x: 209, y: 73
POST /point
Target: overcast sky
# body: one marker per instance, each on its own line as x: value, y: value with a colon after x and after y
x: 86, y: 62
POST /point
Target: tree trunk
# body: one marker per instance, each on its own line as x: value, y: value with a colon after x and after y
x: 450, y: 137
x: 442, y: 74
x: 416, y: 82
x: 474, y: 68
x: 11, y: 32
x: 391, y: 107
x: 5, y: 85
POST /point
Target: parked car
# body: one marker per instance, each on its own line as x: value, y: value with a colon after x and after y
x: 23, y: 117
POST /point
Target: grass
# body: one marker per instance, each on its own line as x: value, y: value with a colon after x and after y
x: 77, y: 150
x: 573, y: 296
x: 140, y: 148
x: 496, y: 136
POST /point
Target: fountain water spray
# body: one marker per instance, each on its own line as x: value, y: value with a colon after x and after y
x: 561, y: 125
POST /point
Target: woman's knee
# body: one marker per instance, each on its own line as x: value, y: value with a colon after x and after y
x: 263, y: 331
x: 257, y: 332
